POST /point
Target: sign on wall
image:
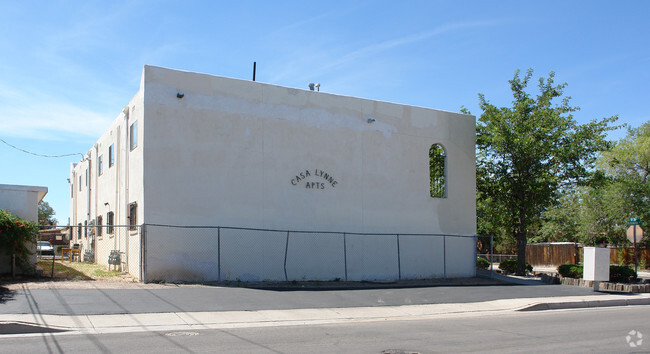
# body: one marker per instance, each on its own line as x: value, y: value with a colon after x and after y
x: 314, y: 179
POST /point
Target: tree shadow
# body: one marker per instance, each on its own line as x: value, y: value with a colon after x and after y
x: 6, y: 294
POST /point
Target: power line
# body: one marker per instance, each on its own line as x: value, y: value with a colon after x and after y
x: 40, y: 155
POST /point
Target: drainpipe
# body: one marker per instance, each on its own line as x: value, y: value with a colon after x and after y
x: 127, y: 144
x: 88, y: 179
x: 118, y: 175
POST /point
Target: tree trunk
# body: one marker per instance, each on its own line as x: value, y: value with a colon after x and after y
x: 521, y: 253
x: 521, y: 237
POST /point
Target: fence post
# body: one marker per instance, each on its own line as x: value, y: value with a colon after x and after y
x: 143, y: 253
x: 444, y: 256
x: 345, y: 256
x: 286, y: 250
x: 399, y: 261
x: 219, y: 254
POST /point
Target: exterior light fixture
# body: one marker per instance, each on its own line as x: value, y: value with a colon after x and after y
x: 180, y: 95
x: 370, y: 120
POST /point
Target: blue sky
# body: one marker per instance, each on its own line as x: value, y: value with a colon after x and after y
x: 68, y: 67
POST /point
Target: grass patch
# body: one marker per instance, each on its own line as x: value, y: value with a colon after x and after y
x: 76, y: 270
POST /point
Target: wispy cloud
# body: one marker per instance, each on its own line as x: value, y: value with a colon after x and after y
x: 295, y: 68
x: 38, y: 116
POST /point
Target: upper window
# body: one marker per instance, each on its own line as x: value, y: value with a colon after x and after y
x: 100, y: 167
x: 111, y: 156
x: 99, y: 225
x: 109, y: 222
x: 80, y: 180
x: 133, y: 132
x: 133, y: 213
x: 437, y: 171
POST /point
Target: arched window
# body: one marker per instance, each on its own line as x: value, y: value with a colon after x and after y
x: 437, y: 171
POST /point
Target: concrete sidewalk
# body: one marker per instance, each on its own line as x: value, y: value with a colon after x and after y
x: 33, y: 311
x: 36, y: 324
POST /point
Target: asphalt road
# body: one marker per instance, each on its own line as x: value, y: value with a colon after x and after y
x: 601, y: 330
x: 199, y: 299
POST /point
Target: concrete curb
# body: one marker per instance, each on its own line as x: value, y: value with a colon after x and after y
x: 586, y: 304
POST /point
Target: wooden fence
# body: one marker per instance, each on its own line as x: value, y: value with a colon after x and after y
x: 555, y: 254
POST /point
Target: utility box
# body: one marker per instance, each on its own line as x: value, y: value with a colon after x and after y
x: 595, y: 264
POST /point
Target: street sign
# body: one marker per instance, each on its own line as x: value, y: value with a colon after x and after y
x: 635, y: 221
x: 631, y: 233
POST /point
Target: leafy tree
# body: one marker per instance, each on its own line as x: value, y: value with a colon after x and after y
x: 46, y: 214
x: 16, y: 235
x: 628, y: 165
x: 529, y: 152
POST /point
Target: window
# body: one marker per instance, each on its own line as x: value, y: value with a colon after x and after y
x: 86, y: 228
x: 437, y: 171
x: 79, y: 231
x: 86, y: 177
x: 111, y: 156
x: 80, y: 182
x: 72, y: 190
x: 99, y: 225
x: 133, y: 132
x: 109, y: 222
x: 100, y: 168
x: 133, y: 220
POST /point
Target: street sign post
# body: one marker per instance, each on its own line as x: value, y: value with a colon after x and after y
x: 634, y: 233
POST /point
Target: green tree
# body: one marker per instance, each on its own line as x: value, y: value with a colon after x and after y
x: 46, y: 214
x: 16, y: 236
x: 529, y: 152
x: 628, y: 165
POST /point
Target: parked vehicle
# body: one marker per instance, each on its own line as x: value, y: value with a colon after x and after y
x: 45, y: 248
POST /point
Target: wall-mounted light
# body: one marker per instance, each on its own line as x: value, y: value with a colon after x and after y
x: 180, y: 94
x: 370, y: 120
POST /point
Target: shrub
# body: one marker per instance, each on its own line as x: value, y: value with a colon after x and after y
x: 621, y: 274
x: 510, y: 266
x: 16, y: 237
x: 482, y: 263
x: 570, y: 271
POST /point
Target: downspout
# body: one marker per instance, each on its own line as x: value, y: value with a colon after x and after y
x: 88, y: 179
x: 127, y: 144
x: 96, y: 210
x: 118, y: 175
x: 75, y: 196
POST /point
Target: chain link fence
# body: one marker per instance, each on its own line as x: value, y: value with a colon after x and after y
x: 154, y: 252
x: 228, y: 254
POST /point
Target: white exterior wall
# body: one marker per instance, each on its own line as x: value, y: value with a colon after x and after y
x: 227, y: 154
x: 21, y: 201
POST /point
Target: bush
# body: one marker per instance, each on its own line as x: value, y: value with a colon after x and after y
x: 482, y: 263
x: 621, y: 274
x: 510, y: 266
x: 570, y: 271
x: 16, y: 237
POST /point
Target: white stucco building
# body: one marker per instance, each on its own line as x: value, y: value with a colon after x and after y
x: 199, y: 150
